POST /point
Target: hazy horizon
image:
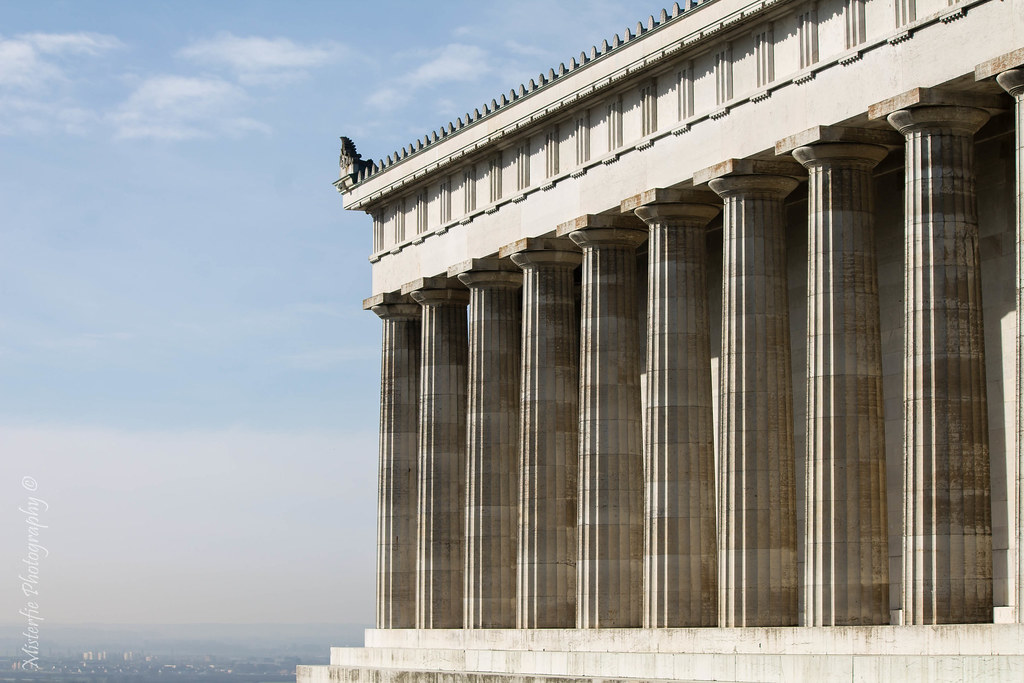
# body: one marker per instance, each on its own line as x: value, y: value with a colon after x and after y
x: 190, y: 387
x: 311, y: 643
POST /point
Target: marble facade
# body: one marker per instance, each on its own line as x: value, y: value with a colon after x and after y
x: 735, y: 342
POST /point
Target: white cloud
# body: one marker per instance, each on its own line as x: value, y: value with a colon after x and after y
x: 176, y: 107
x: 446, y: 105
x: 526, y: 50
x: 37, y: 77
x: 257, y: 60
x: 389, y: 98
x: 453, y: 63
x: 22, y: 67
x: 39, y: 73
x: 163, y: 93
x: 180, y: 108
x: 71, y: 43
x: 32, y: 60
x: 20, y: 114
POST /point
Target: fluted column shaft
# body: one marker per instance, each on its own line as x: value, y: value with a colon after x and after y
x: 396, y: 492
x: 846, y: 565
x: 609, y: 573
x: 549, y: 441
x: 757, y: 528
x: 680, y: 547
x: 492, y: 448
x: 1013, y: 82
x: 442, y: 458
x: 947, y: 537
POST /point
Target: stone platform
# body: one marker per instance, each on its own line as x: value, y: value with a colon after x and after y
x: 961, y: 652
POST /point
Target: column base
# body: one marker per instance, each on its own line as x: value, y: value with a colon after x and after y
x: 1005, y: 614
x: 862, y: 653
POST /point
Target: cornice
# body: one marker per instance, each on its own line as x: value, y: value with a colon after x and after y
x: 629, y: 52
x: 627, y: 67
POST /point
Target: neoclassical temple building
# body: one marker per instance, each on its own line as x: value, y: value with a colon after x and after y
x: 702, y: 357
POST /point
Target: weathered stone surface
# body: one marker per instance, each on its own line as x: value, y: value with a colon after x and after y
x: 492, y: 443
x: 665, y: 130
x: 846, y: 563
x: 757, y: 500
x: 680, y: 547
x: 947, y: 544
x: 611, y: 506
x: 1013, y: 82
x: 549, y: 435
x: 924, y: 97
x: 998, y: 65
x: 970, y: 652
x: 442, y: 454
x: 396, y: 484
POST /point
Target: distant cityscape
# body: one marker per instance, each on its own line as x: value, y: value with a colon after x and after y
x: 125, y: 667
x: 197, y: 653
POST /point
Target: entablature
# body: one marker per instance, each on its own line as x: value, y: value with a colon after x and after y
x: 685, y: 74
x: 643, y: 49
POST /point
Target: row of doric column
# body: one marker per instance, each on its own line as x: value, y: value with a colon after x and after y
x: 1012, y: 81
x: 548, y: 434
x: 845, y: 456
x: 679, y: 524
x: 523, y: 485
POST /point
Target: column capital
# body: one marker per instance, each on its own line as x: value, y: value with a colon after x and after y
x: 819, y: 135
x: 963, y: 120
x: 543, y: 251
x: 392, y: 305
x: 750, y: 167
x: 437, y: 290
x: 994, y: 67
x: 497, y: 279
x: 598, y: 230
x: 1012, y: 81
x: 777, y: 186
x: 487, y: 272
x: 693, y: 206
x: 929, y: 97
x: 1008, y: 70
x: 840, y: 153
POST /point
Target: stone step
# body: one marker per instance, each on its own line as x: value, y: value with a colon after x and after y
x: 347, y: 674
x: 964, y: 652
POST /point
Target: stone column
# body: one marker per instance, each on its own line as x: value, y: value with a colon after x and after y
x: 492, y: 441
x: 548, y: 434
x: 610, y: 569
x: 1008, y: 70
x: 846, y: 552
x: 680, y: 547
x: 396, y: 480
x: 442, y: 452
x: 757, y: 524
x: 1013, y: 82
x: 947, y: 526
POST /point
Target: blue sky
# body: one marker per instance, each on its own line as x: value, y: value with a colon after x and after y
x: 185, y: 369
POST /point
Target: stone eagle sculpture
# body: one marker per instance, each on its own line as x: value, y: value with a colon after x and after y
x: 351, y: 164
